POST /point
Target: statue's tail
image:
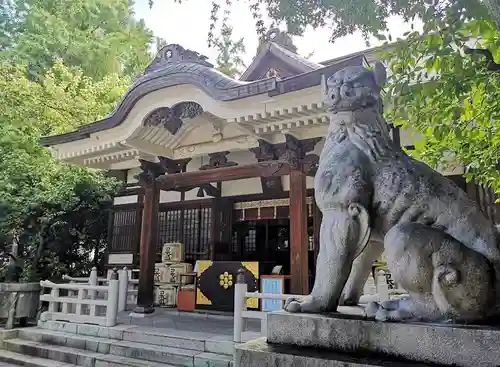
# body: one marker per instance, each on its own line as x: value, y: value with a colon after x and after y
x: 363, y: 218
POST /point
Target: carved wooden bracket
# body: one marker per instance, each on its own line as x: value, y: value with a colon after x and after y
x: 295, y: 150
x: 149, y: 173
x: 218, y: 160
x: 267, y: 152
x: 211, y: 190
x: 172, y: 166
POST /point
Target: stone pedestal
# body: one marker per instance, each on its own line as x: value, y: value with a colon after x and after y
x: 343, y: 340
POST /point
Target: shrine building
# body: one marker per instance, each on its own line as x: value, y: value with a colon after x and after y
x: 224, y: 166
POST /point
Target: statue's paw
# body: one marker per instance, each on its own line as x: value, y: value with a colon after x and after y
x: 348, y: 300
x: 387, y: 311
x: 371, y: 309
x: 297, y: 304
x: 392, y: 315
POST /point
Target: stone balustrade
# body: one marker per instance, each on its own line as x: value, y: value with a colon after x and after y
x: 85, y: 304
x: 127, y: 291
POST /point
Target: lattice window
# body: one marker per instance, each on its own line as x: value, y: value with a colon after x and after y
x: 124, y: 231
x: 191, y: 232
x: 205, y: 228
x: 169, y: 227
x: 197, y: 233
x: 192, y: 227
x: 234, y: 244
x: 250, y: 241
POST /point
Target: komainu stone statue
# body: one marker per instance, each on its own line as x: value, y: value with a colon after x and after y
x: 374, y: 198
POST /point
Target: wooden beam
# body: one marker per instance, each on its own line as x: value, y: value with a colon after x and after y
x: 299, y: 263
x: 261, y: 169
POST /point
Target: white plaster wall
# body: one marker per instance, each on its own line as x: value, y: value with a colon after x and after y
x: 121, y: 200
x: 194, y: 165
x: 132, y: 173
x: 128, y: 164
x: 169, y: 196
x: 242, y: 187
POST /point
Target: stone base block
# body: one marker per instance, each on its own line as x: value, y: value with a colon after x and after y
x: 259, y: 353
x: 443, y: 344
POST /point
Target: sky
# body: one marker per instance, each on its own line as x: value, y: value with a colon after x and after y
x: 187, y: 24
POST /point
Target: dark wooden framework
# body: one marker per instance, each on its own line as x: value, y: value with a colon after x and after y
x: 153, y: 179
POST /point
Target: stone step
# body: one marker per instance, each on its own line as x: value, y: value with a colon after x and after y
x: 198, y: 341
x: 90, y: 343
x: 259, y: 353
x: 29, y: 361
x: 74, y: 356
x: 218, y: 344
x: 212, y: 360
x: 154, y: 353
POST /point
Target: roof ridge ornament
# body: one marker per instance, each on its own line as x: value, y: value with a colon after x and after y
x: 175, y: 53
x: 281, y: 38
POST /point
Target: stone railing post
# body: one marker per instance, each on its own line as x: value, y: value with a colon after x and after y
x: 113, y: 295
x: 93, y: 280
x: 123, y: 293
x: 53, y: 306
x: 240, y: 290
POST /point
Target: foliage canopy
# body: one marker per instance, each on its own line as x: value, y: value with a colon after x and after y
x: 56, y: 212
x: 62, y: 64
x: 449, y: 98
x: 229, y: 59
x: 98, y: 36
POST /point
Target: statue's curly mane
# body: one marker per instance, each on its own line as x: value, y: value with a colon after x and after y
x: 367, y: 130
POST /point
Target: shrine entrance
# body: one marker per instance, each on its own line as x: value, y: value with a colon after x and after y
x: 266, y: 241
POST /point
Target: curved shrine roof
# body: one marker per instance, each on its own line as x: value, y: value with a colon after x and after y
x: 175, y: 65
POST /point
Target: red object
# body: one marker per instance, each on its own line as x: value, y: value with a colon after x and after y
x: 186, y: 300
x: 186, y: 296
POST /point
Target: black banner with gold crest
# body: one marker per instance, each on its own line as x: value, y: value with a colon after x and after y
x: 216, y: 280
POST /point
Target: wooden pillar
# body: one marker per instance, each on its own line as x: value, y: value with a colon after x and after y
x: 299, y: 264
x: 147, y: 246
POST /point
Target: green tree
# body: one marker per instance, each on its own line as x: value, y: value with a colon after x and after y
x: 57, y: 211
x: 229, y: 58
x: 447, y: 96
x: 347, y: 17
x: 62, y: 100
x: 98, y: 36
x: 450, y: 98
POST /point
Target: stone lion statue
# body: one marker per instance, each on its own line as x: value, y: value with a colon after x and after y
x: 374, y: 198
